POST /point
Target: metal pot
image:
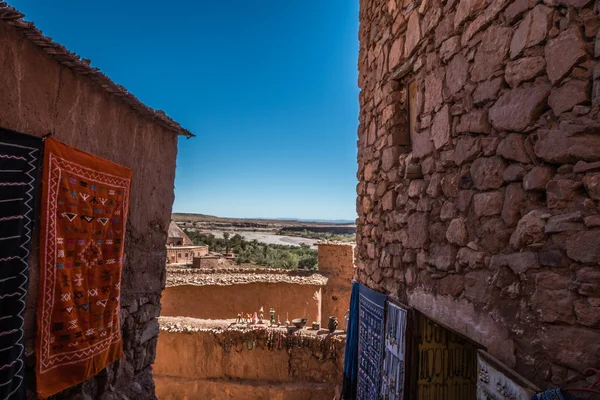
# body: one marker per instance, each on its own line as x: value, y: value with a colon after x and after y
x: 333, y: 324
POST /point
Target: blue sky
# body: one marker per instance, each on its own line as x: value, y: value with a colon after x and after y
x: 269, y: 88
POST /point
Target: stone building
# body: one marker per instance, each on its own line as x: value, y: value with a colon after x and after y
x: 479, y: 170
x: 45, y: 88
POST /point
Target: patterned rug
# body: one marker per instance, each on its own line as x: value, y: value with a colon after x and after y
x: 19, y: 160
x: 370, y: 342
x: 85, y: 201
x: 392, y: 386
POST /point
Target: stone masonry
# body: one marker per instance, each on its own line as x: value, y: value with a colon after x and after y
x: 484, y: 214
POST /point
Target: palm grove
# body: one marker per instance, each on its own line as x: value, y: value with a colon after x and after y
x: 254, y: 252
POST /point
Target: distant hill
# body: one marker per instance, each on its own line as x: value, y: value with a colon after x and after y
x: 188, y: 217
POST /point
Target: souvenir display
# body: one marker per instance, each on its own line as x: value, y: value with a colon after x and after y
x: 20, y: 157
x: 85, y: 202
x: 495, y: 381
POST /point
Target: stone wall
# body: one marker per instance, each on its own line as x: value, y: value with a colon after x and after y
x: 336, y: 262
x: 478, y: 194
x: 38, y: 96
x: 197, y: 361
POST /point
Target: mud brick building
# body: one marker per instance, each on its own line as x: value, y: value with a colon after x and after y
x: 479, y: 170
x: 46, y: 89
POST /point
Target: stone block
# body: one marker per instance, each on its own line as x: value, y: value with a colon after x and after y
x: 524, y: 69
x: 512, y: 147
x: 585, y: 247
x: 475, y: 121
x: 413, y: 33
x: 552, y: 256
x: 442, y: 256
x: 487, y: 173
x: 449, y: 48
x: 588, y: 281
x: 440, y: 129
x: 491, y: 52
x: 466, y: 9
x: 514, y: 172
x: 389, y: 158
x: 530, y: 230
x: 448, y: 211
x: 457, y: 73
x: 434, y: 82
x: 563, y: 53
x: 591, y: 181
x: 396, y: 54
x: 457, y: 232
x: 487, y: 204
x: 514, y: 200
x: 571, y: 346
x: 518, y: 108
x: 564, y: 222
x: 567, y: 144
x: 538, y: 178
x: 554, y: 305
x: 518, y: 262
x: 470, y: 258
x: 587, y: 314
x: 417, y: 229
x: 487, y: 90
x: 561, y: 193
x: 532, y: 30
x: 567, y: 96
x: 452, y: 285
x: 467, y: 148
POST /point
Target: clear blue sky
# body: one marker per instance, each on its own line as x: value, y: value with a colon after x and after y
x: 269, y: 87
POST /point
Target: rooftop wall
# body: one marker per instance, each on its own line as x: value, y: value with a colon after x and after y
x: 38, y: 95
x: 479, y: 169
x: 196, y: 360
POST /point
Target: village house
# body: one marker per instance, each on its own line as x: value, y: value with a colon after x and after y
x: 180, y: 248
x: 45, y: 89
x: 479, y: 170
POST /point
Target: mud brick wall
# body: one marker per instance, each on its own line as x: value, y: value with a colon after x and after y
x: 39, y: 95
x: 485, y: 217
x: 195, y: 361
x: 336, y: 262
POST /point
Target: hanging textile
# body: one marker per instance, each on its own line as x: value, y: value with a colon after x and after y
x: 496, y: 381
x: 552, y: 394
x: 447, y: 363
x: 351, y: 352
x: 370, y: 343
x: 19, y: 160
x: 84, y: 214
x: 392, y: 384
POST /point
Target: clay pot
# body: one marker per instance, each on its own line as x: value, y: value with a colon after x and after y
x: 333, y: 324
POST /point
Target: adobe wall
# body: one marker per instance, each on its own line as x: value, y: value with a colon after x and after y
x: 38, y: 95
x: 225, y: 302
x: 336, y: 262
x: 486, y: 217
x: 192, y: 363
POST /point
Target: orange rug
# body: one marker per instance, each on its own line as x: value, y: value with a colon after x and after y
x: 85, y: 201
